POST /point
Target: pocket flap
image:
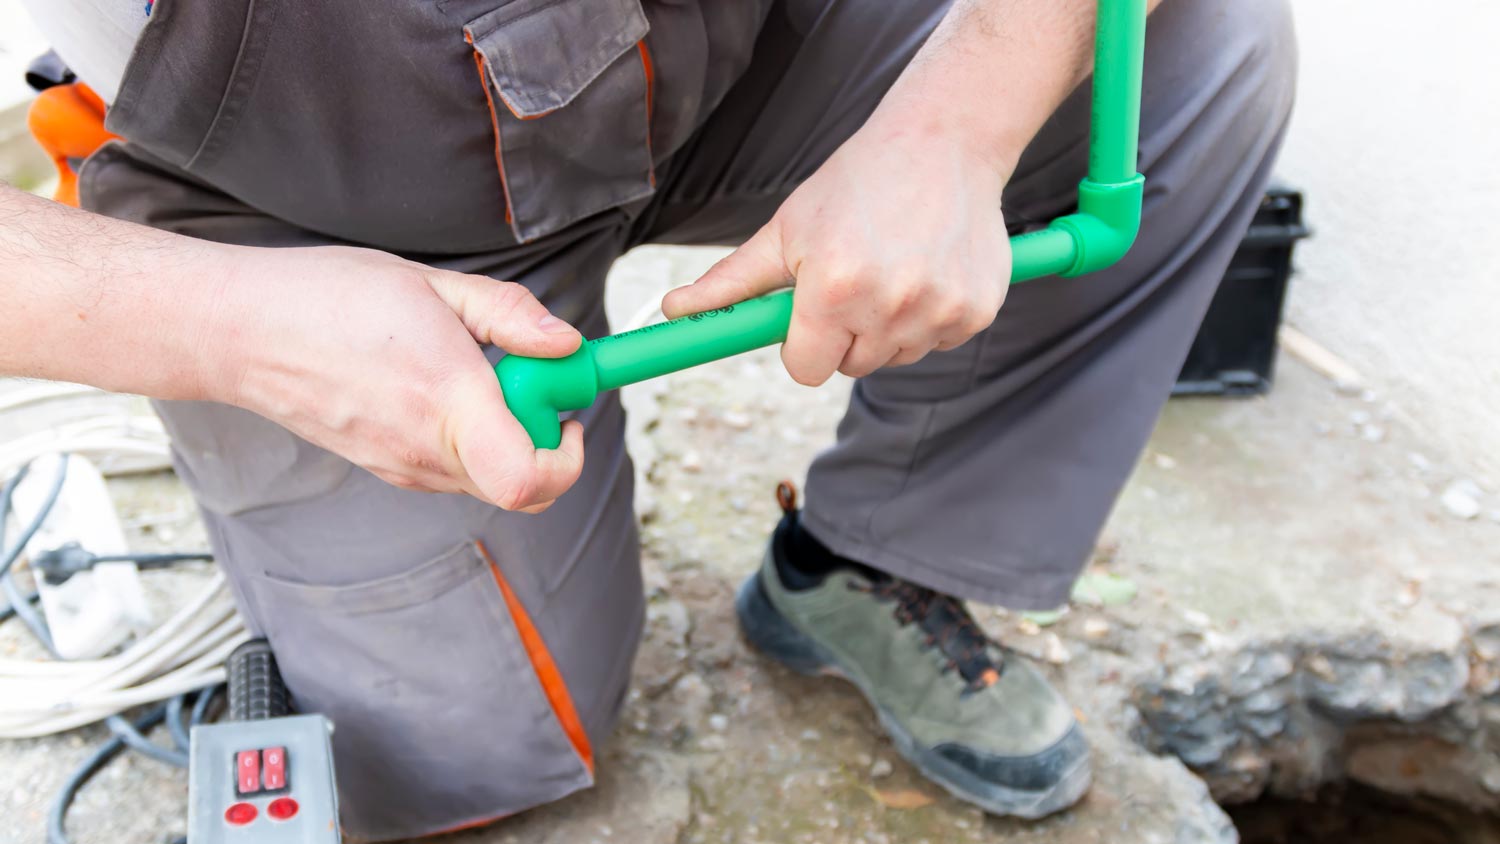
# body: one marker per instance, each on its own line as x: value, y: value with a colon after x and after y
x: 542, y: 53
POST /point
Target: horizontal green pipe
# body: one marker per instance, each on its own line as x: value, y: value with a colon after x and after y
x: 1047, y: 251
x: 656, y: 350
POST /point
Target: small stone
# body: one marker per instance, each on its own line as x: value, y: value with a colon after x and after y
x: 1491, y: 780
x: 691, y: 698
x: 1054, y: 651
x: 739, y: 504
x: 712, y: 743
x: 1095, y: 628
x: 1197, y: 618
x: 1027, y: 627
x: 1461, y: 499
x: 1371, y: 433
x: 692, y: 462
x: 718, y: 723
x: 1359, y: 418
x: 1419, y: 461
x: 1164, y: 461
x: 1345, y: 387
x: 863, y: 760
x: 810, y: 735
x: 737, y: 420
x: 881, y: 768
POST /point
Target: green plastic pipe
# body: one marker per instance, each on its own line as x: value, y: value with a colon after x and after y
x: 1096, y: 236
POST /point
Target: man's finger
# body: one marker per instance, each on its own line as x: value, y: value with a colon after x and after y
x: 867, y: 354
x: 505, y: 314
x: 813, y: 350
x: 756, y: 267
x: 558, y: 468
x: 498, y: 458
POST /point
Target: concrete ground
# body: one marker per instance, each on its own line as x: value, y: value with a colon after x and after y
x: 1393, y: 140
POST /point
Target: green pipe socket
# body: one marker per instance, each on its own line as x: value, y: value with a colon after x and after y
x: 1100, y: 233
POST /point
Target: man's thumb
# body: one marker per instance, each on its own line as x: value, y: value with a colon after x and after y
x: 505, y: 314
x: 756, y: 267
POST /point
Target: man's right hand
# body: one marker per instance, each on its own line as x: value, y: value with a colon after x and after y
x: 378, y: 360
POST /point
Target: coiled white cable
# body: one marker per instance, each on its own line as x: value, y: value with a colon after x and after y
x: 186, y: 652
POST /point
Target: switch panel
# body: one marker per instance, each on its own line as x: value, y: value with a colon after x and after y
x: 263, y: 782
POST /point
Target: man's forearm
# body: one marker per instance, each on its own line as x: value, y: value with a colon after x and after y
x: 991, y: 74
x: 103, y: 302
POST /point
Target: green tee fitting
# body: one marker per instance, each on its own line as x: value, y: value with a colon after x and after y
x: 1096, y: 236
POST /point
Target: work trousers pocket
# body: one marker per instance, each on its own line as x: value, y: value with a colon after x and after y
x: 438, y: 688
x: 569, y: 88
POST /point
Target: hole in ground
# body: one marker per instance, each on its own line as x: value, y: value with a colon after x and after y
x: 1350, y: 813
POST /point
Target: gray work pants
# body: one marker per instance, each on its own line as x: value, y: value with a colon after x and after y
x: 472, y: 658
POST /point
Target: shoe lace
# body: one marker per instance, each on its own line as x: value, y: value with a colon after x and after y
x: 949, y: 628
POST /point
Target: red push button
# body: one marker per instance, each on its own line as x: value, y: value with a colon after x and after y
x: 240, y: 814
x: 282, y: 808
x: 275, y: 768
x: 247, y: 771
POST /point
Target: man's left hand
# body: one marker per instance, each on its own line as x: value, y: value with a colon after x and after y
x: 896, y: 246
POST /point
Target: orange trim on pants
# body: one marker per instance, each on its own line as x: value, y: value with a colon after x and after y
x: 68, y: 123
x: 546, y: 669
x: 553, y: 686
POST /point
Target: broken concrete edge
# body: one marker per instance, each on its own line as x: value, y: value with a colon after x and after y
x: 1288, y: 717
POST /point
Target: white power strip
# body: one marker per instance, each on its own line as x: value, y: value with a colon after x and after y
x: 93, y: 611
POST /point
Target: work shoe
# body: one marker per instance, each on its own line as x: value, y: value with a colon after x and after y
x: 977, y: 720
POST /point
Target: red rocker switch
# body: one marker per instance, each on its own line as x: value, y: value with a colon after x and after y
x: 247, y: 771
x: 275, y: 769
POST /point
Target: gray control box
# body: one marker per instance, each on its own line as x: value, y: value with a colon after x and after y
x: 263, y: 782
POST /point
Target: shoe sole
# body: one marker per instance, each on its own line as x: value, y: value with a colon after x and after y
x: 769, y: 632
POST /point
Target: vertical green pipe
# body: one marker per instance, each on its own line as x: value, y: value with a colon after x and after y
x: 1119, y: 49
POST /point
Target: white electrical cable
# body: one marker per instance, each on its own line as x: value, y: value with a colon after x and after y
x: 118, y: 444
x: 186, y: 652
x: 35, y: 392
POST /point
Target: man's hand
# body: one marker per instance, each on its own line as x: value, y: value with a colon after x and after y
x: 897, y: 247
x: 375, y: 358
x: 896, y: 244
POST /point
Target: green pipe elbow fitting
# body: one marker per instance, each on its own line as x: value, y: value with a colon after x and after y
x: 1103, y: 230
x: 536, y: 390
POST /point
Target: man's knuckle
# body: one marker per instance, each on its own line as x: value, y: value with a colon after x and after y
x: 975, y: 321
x: 517, y: 493
x: 510, y: 296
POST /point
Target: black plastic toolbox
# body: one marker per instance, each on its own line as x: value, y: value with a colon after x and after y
x: 1235, y: 350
